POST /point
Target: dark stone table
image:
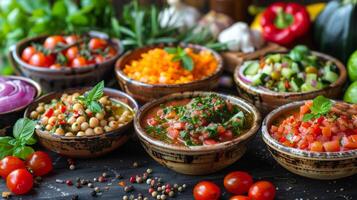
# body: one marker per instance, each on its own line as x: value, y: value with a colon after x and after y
x: 256, y: 161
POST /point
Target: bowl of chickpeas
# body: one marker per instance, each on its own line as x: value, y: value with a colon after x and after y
x: 67, y: 125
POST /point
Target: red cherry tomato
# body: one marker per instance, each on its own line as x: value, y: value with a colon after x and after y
x: 262, y: 190
x: 239, y: 197
x: 39, y: 59
x: 71, y: 39
x: 97, y: 43
x: 19, y: 181
x: 112, y: 52
x: 40, y: 162
x: 55, y: 66
x: 72, y: 53
x: 206, y: 190
x: 27, y: 53
x: 52, y: 41
x: 238, y: 182
x: 99, y: 59
x: 9, y: 164
x: 79, y: 62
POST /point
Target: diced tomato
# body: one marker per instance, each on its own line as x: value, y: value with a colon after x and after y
x: 316, y: 130
x: 62, y: 122
x: 221, y: 129
x: 326, y: 131
x: 305, y: 109
x: 273, y: 128
x: 306, y: 124
x: 226, y: 135
x: 152, y: 122
x: 317, y: 146
x: 209, y: 142
x: 172, y: 133
x: 350, y: 142
x: 49, y: 113
x: 287, y: 84
x: 63, y: 108
x: 179, y: 125
x: 320, y: 120
x: 332, y: 146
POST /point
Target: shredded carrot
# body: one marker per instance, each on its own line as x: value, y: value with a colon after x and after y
x: 156, y: 67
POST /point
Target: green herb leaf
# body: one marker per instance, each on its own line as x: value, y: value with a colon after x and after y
x: 308, y: 117
x: 320, y: 106
x: 31, y: 141
x: 6, y: 151
x: 5, y: 140
x: 187, y: 63
x: 24, y: 128
x: 23, y: 152
x: 180, y: 55
x: 96, y: 92
x: 170, y: 50
x: 95, y: 107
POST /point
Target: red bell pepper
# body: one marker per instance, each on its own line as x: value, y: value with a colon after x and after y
x: 282, y: 23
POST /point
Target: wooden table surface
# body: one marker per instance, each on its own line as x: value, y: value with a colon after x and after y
x: 257, y: 161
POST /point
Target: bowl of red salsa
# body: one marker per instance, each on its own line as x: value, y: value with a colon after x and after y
x: 315, y: 138
x: 196, y: 132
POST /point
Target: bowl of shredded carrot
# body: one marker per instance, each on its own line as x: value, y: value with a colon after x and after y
x: 151, y: 72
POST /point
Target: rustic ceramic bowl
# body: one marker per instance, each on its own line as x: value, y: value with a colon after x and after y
x: 7, y: 119
x: 85, y: 146
x: 145, y: 92
x: 196, y: 160
x: 266, y: 100
x: 325, y: 165
x: 59, y: 79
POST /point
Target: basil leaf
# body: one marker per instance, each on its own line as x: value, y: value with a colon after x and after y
x: 96, y: 92
x: 6, y: 151
x: 24, y: 128
x: 31, y: 141
x: 170, y: 50
x: 307, y: 117
x: 187, y: 63
x: 13, y: 142
x: 95, y: 107
x: 5, y: 140
x: 321, y: 105
x: 23, y: 152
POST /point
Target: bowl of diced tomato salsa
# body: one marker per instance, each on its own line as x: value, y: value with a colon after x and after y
x: 196, y: 132
x: 315, y: 138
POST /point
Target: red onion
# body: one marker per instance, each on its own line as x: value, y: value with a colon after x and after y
x: 15, y: 94
x: 313, y: 83
x: 242, y: 76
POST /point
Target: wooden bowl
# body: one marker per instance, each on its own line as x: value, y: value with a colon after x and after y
x: 325, y: 165
x: 196, y: 160
x: 85, y: 146
x: 266, y: 100
x: 60, y: 79
x: 8, y: 119
x: 145, y: 92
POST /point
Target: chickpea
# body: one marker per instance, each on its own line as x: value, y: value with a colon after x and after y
x: 107, y: 128
x: 80, y: 133
x: 34, y: 114
x: 71, y: 120
x: 93, y: 122
x: 77, y: 107
x: 44, y: 120
x: 122, y: 119
x: 98, y: 130
x: 54, y: 101
x: 69, y: 134
x: 84, y: 126
x: 59, y: 131
x: 74, y: 96
x: 40, y: 109
x: 81, y: 119
x: 41, y: 104
x: 103, y: 100
x: 88, y: 111
x: 89, y: 131
x: 103, y: 122
x: 113, y: 124
x: 126, y: 113
x: 99, y: 116
x: 111, y: 119
x: 61, y: 116
x: 49, y: 127
x: 52, y: 120
x: 56, y: 112
x: 75, y: 127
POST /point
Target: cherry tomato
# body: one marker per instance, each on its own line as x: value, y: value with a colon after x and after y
x: 71, y: 39
x: 19, y: 181
x: 39, y: 59
x: 97, y: 43
x: 27, y: 53
x: 52, y: 41
x: 112, y: 52
x: 79, y: 62
x: 99, y: 59
x: 50, y: 59
x: 262, y: 190
x: 55, y: 66
x: 9, y: 164
x: 239, y: 197
x: 206, y: 190
x: 238, y: 182
x: 40, y: 162
x: 72, y: 53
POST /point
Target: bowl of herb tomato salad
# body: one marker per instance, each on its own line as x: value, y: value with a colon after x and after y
x: 314, y: 138
x: 64, y: 61
x: 85, y: 122
x: 283, y: 77
x: 196, y: 132
x: 154, y: 71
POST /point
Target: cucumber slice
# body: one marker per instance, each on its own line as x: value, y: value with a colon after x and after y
x: 310, y: 77
x: 329, y: 75
x: 287, y: 72
x: 251, y: 69
x: 294, y: 86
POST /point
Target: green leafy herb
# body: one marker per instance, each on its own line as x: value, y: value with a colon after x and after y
x: 320, y: 106
x: 90, y: 98
x: 180, y: 55
x: 23, y: 135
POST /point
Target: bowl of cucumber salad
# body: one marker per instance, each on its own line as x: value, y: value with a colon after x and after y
x: 282, y: 77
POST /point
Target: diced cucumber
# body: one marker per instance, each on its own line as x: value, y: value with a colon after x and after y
x: 329, y: 75
x: 294, y: 86
x: 287, y: 72
x: 306, y: 87
x: 310, y: 77
x: 281, y: 86
x: 267, y: 69
x: 295, y: 67
x: 273, y: 58
x: 252, y: 68
x: 256, y: 79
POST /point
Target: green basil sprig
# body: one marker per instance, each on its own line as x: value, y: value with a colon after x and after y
x: 23, y: 135
x: 320, y: 106
x: 180, y: 55
x: 90, y: 98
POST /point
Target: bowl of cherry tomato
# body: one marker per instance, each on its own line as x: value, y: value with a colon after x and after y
x: 58, y: 62
x: 315, y: 138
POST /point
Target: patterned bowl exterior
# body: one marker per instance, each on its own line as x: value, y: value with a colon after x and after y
x: 85, y: 146
x: 144, y: 92
x: 325, y: 165
x: 58, y: 80
x: 197, y: 160
x: 266, y: 100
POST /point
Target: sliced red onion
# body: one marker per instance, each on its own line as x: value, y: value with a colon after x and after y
x: 313, y: 83
x: 284, y: 64
x: 15, y: 94
x: 242, y: 76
